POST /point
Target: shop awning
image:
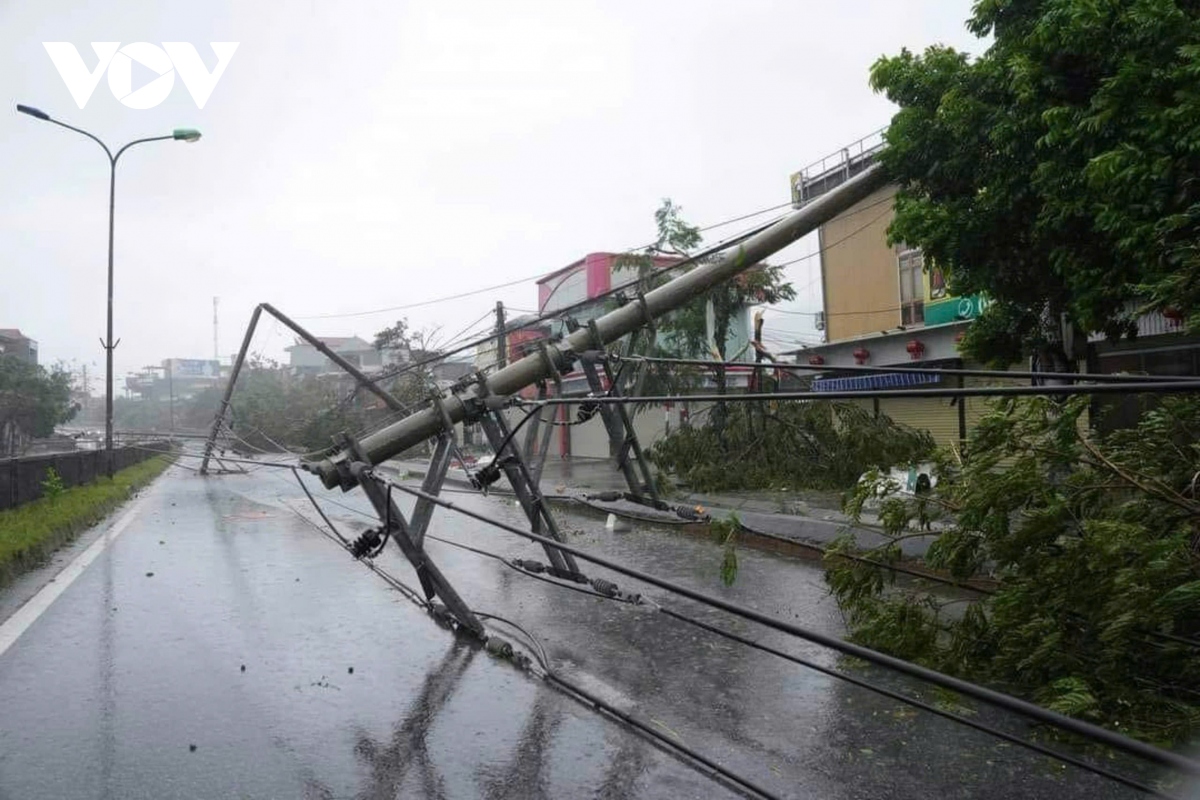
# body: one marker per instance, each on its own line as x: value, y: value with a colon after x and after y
x: 884, y: 380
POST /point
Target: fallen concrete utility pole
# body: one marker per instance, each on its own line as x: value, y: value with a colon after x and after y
x: 487, y: 394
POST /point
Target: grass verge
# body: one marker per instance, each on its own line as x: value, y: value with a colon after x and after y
x: 30, y: 533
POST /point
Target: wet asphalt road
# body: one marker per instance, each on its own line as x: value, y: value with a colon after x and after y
x: 131, y: 684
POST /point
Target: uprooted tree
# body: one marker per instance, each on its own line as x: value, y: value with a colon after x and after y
x: 789, y: 445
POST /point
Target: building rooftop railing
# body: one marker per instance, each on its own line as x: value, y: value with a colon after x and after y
x: 836, y: 168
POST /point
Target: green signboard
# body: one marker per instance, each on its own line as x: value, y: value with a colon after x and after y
x: 953, y: 309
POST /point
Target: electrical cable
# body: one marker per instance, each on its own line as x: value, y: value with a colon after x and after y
x: 525, y: 280
x: 536, y: 646
x: 422, y: 303
x: 707, y: 252
x: 320, y: 511
x: 1173, y: 387
x: 990, y: 696
x: 1065, y: 758
x: 563, y: 684
x: 724, y: 244
x: 968, y: 373
x: 224, y: 458
x: 859, y: 682
x: 658, y: 736
x: 848, y: 236
x: 919, y: 704
x: 551, y: 675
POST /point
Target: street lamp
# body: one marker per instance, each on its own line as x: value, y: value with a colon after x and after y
x: 180, y: 135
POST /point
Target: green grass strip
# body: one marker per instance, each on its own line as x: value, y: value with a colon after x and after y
x: 30, y: 533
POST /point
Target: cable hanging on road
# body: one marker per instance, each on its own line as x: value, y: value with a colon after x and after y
x: 1024, y: 708
x: 613, y: 593
x: 603, y: 589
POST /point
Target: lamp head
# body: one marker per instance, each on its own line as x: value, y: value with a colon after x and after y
x: 33, y: 112
x: 186, y: 135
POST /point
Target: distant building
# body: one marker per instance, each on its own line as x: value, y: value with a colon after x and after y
x: 304, y: 359
x: 178, y: 378
x: 447, y: 373
x: 15, y: 343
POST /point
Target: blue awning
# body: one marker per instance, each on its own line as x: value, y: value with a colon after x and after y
x: 884, y: 380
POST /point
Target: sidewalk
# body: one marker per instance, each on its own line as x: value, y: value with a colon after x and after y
x: 790, y: 516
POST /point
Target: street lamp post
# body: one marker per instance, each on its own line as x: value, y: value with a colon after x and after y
x: 179, y: 134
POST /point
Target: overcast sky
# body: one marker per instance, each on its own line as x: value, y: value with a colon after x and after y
x: 359, y: 156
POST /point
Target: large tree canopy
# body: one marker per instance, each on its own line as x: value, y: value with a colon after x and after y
x: 1057, y: 173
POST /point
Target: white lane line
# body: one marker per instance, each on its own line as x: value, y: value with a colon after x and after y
x: 12, y: 628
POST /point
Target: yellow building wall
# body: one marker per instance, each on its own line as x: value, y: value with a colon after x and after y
x: 861, y: 282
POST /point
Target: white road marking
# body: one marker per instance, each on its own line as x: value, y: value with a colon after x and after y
x: 12, y: 628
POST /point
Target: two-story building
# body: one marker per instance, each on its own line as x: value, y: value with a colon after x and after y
x: 584, y: 290
x: 304, y: 359
x: 15, y: 343
x: 881, y: 307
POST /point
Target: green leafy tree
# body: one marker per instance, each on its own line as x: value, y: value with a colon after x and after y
x: 394, y: 337
x: 32, y: 398
x: 1094, y: 545
x: 687, y: 332
x: 273, y: 408
x: 802, y: 446
x: 1056, y: 173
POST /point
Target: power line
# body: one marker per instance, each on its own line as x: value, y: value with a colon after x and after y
x: 990, y: 696
x: 712, y: 250
x: 507, y: 284
x: 854, y: 681
x: 859, y: 682
x: 630, y: 284
x: 1131, y: 387
x: 435, y: 301
x: 968, y: 373
x: 715, y: 771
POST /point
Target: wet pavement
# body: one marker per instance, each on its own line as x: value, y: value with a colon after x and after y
x: 132, y: 685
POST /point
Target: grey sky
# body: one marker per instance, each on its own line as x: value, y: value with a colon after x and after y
x: 361, y: 155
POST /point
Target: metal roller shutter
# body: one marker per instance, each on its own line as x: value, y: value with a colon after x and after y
x: 938, y: 415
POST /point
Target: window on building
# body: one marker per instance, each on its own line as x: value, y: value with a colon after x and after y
x: 912, y: 291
